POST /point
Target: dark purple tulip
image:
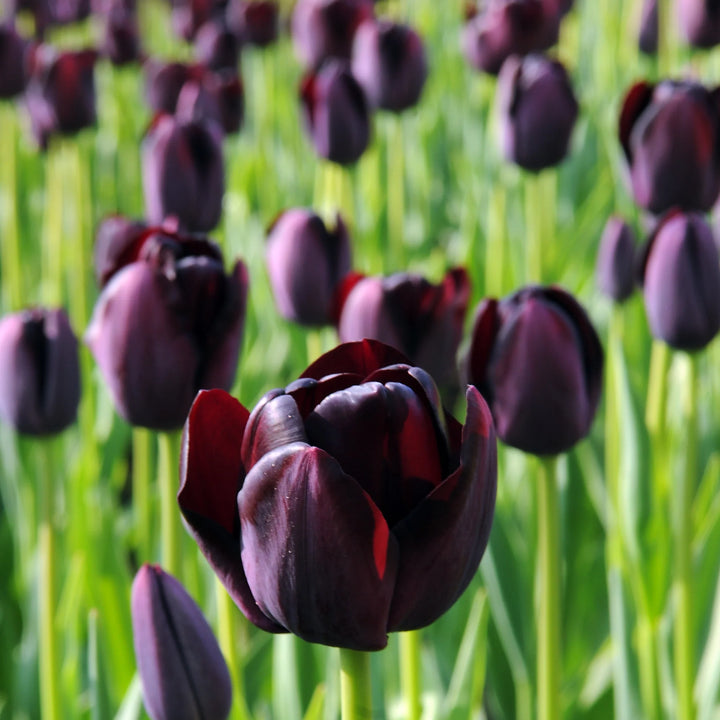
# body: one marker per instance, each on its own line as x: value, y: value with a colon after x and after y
x: 538, y: 110
x: 649, y: 28
x: 183, y: 673
x: 323, y: 29
x: 389, y: 62
x: 13, y: 61
x: 188, y: 16
x: 183, y: 172
x: 121, y: 39
x: 216, y: 47
x: 508, y: 27
x: 669, y: 133
x: 681, y: 282
x: 336, y: 113
x: 699, y: 22
x: 255, y: 22
x: 52, y: 12
x: 347, y: 505
x: 60, y: 95
x: 216, y: 96
x: 117, y: 242
x: 164, y: 81
x: 306, y: 262
x: 538, y: 360
x: 422, y: 320
x: 39, y: 371
x: 167, y: 324
x: 616, y: 261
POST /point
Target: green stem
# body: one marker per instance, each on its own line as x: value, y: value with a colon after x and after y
x: 141, y: 475
x: 12, y: 270
x: 395, y: 154
x: 53, y: 227
x: 169, y: 452
x: 548, y: 624
x: 355, y: 685
x: 495, y: 242
x: 647, y: 665
x: 657, y: 388
x: 410, y: 673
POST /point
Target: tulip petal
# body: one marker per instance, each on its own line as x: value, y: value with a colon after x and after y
x: 362, y: 357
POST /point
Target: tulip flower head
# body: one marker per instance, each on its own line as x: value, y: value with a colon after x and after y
x: 121, y: 39
x: 116, y: 241
x: 13, y: 61
x: 347, y: 505
x: 217, y: 47
x: 183, y: 673
x: 538, y: 360
x: 649, y: 28
x: 615, y: 269
x: 255, y: 22
x: 699, y: 22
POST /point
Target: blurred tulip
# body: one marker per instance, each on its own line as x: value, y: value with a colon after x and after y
x: 121, y: 38
x: 117, y: 241
x: 336, y: 113
x: 538, y: 110
x: 217, y: 96
x: 188, y: 16
x: 13, y: 61
x: 699, y: 22
x: 39, y: 371
x: 164, y: 81
x: 649, y: 28
x: 306, y: 263
x: 255, y: 22
x: 615, y: 269
x: 51, y: 12
x: 389, y: 62
x: 216, y: 47
x: 183, y: 172
x: 681, y: 281
x: 538, y: 360
x: 168, y: 323
x: 670, y: 135
x: 183, y: 673
x: 347, y: 505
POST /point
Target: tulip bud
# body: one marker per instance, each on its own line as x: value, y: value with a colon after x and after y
x: 649, y: 28
x: 538, y: 110
x: 681, y: 282
x: 163, y: 83
x: 389, y: 62
x: 117, y: 242
x: 121, y: 41
x: 538, y: 360
x: 39, y: 371
x: 183, y: 172
x: 699, y: 22
x: 615, y: 269
x: 669, y: 133
x: 188, y: 16
x: 183, y: 673
x: 306, y: 263
x: 336, y: 113
x: 217, y: 97
x: 216, y: 47
x: 13, y: 61
x: 255, y: 22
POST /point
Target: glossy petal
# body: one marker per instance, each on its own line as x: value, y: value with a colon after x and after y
x: 362, y: 358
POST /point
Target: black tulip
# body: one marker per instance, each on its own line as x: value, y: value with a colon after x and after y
x: 615, y: 268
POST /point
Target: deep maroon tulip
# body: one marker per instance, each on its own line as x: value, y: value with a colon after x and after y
x: 188, y: 16
x: 670, y: 133
x: 336, y: 113
x: 699, y: 22
x: 183, y: 673
x: 422, y: 320
x: 681, y: 282
x: 538, y: 110
x: 389, y: 62
x: 121, y: 39
x: 508, y: 27
x: 13, y: 61
x: 216, y: 47
x: 216, y: 96
x: 616, y: 261
x: 255, y: 22
x: 116, y: 244
x: 183, y: 172
x: 323, y: 29
x: 164, y: 81
x: 538, y: 360
x: 60, y: 96
x: 347, y: 505
x: 306, y: 262
x: 168, y: 323
x: 39, y: 371
x: 649, y: 28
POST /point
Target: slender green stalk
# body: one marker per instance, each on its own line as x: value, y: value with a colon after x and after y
x: 410, y: 671
x: 657, y: 388
x: 395, y: 153
x: 53, y: 227
x: 355, y: 685
x: 496, y: 242
x: 169, y: 452
x: 648, y: 666
x: 548, y: 622
x: 313, y: 343
x: 12, y: 270
x: 141, y: 479
x: 539, y: 195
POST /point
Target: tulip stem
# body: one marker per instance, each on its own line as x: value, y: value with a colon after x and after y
x: 657, y: 388
x: 355, y: 685
x: 495, y: 242
x: 410, y: 673
x: 53, y: 227
x: 141, y: 474
x: 396, y: 190
x: 168, y: 458
x: 12, y: 273
x: 548, y: 622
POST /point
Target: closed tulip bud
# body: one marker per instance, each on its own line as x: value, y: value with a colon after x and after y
x: 538, y: 110
x: 217, y: 96
x: 117, y: 242
x: 389, y: 62
x: 615, y: 269
x: 121, y: 40
x: 306, y: 262
x: 422, y: 320
x: 39, y: 371
x: 669, y: 133
x: 336, y: 113
x: 649, y: 28
x: 681, y: 282
x: 538, y: 360
x: 164, y: 81
x: 699, y: 22
x: 167, y: 324
x: 188, y: 16
x: 508, y: 27
x: 183, y: 172
x: 183, y: 673
x: 216, y: 47
x: 255, y: 22
x: 13, y: 61
x: 323, y: 29
x: 347, y: 505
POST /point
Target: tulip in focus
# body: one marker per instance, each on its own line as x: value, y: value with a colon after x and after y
x: 615, y: 269
x: 183, y: 673
x: 699, y: 22
x: 347, y: 505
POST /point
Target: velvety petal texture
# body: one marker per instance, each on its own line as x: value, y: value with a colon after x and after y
x: 361, y: 506
x: 615, y: 270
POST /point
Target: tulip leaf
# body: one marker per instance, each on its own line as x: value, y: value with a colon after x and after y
x: 132, y: 703
x: 316, y: 707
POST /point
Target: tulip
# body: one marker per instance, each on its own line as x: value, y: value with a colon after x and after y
x: 649, y: 28
x: 217, y: 96
x: 346, y: 506
x: 699, y: 22
x: 306, y: 262
x: 168, y: 323
x: 615, y: 270
x: 183, y: 172
x: 39, y: 371
x: 13, y: 61
x: 389, y: 62
x: 669, y: 133
x: 164, y: 81
x: 422, y: 320
x: 188, y: 16
x: 216, y: 47
x: 117, y: 242
x: 336, y: 113
x: 538, y: 110
x: 183, y: 673
x: 255, y: 22
x: 681, y: 282
x: 538, y: 360
x: 121, y: 41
